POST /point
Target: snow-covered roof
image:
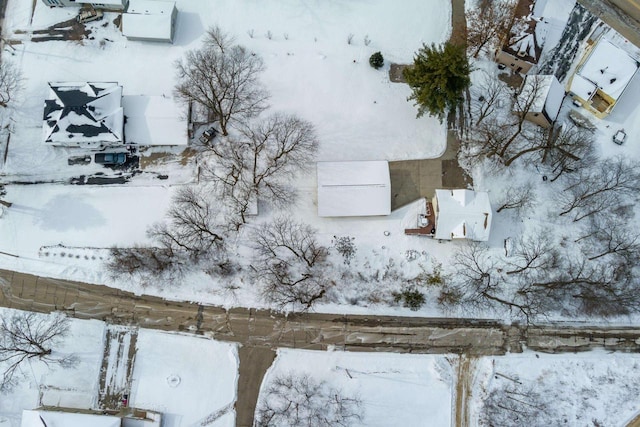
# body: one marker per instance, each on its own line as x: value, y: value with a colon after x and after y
x: 361, y: 188
x: 608, y: 67
x: 548, y: 97
x: 105, y: 2
x: 523, y: 38
x: 36, y: 418
x: 582, y: 87
x: 147, y: 19
x: 83, y: 112
x: 154, y: 120
x: 463, y: 214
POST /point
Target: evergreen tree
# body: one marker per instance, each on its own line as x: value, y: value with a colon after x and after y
x: 439, y: 77
x: 376, y: 60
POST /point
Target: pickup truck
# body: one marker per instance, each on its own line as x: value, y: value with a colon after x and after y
x: 110, y: 158
x: 89, y: 15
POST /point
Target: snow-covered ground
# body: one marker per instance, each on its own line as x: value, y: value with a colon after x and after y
x: 311, y: 70
x: 188, y: 379
x: 575, y: 389
x: 395, y: 389
x: 76, y: 386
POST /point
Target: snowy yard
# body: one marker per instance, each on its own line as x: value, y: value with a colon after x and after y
x: 395, y: 389
x: 188, y: 379
x: 75, y: 386
x: 572, y: 390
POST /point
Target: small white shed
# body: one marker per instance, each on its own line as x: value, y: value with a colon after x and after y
x: 360, y: 188
x: 150, y: 20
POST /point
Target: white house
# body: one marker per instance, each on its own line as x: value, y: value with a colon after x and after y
x: 602, y: 76
x: 103, y: 4
x: 39, y: 418
x: 84, y: 114
x: 462, y: 214
x: 154, y: 120
x: 541, y: 98
x: 150, y: 20
x: 360, y: 188
x: 66, y: 417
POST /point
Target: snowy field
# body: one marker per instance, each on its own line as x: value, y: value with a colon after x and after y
x: 571, y: 390
x: 76, y: 386
x: 188, y: 379
x: 395, y: 389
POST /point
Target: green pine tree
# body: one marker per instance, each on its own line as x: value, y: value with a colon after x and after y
x: 439, y: 78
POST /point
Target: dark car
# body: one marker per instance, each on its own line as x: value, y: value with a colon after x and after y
x: 208, y: 135
x: 111, y: 158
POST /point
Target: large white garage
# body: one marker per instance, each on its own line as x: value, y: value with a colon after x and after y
x: 361, y: 188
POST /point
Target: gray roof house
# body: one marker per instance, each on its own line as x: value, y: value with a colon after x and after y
x: 86, y: 114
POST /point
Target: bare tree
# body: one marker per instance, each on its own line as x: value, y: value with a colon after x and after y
x: 583, y: 287
x: 477, y: 282
x: 297, y: 400
x: 10, y: 82
x: 488, y: 24
x: 223, y: 78
x: 534, y: 252
x: 147, y: 263
x: 219, y: 39
x: 566, y: 149
x: 510, y: 137
x: 518, y: 197
x: 289, y: 263
x: 612, y: 235
x: 263, y: 160
x: 516, y: 405
x: 487, y: 94
x: 196, y: 226
x: 30, y: 336
x: 601, y: 187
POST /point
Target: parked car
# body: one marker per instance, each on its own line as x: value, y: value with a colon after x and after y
x: 110, y: 158
x: 88, y: 15
x: 619, y: 137
x: 79, y: 160
x: 208, y: 135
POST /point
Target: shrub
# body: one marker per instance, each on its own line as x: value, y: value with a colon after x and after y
x: 376, y: 60
x: 344, y: 246
x: 411, y: 298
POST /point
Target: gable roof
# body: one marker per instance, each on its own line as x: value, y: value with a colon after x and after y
x: 608, y: 67
x: 83, y: 112
x: 361, y: 188
x: 463, y: 214
x: 154, y: 120
x: 151, y: 20
x: 37, y: 418
x: 522, y: 39
x: 549, y: 94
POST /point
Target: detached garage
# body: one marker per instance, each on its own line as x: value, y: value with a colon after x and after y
x: 354, y: 188
x: 150, y: 20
